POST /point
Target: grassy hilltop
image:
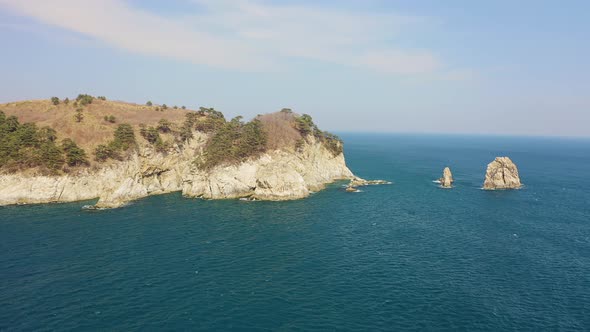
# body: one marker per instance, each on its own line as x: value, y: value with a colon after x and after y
x: 60, y: 135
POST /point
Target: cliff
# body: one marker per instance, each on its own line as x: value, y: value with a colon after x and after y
x: 275, y: 175
x: 301, y: 164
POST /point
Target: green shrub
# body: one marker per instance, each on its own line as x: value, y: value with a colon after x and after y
x: 305, y: 124
x: 164, y: 126
x: 151, y: 135
x: 183, y: 107
x: 75, y: 156
x: 26, y: 146
x: 46, y: 134
x: 103, y: 152
x: 110, y: 118
x: 234, y: 142
x: 186, y: 132
x: 51, y: 156
x: 164, y: 107
x: 67, y: 101
x: 124, y: 137
x: 149, y: 103
x: 84, y: 99
x: 330, y: 141
x: 209, y: 124
x: 299, y: 144
x: 162, y: 146
x: 103, y: 98
x: 79, y: 116
x: 55, y: 101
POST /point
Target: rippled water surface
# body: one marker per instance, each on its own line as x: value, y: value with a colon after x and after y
x: 404, y: 256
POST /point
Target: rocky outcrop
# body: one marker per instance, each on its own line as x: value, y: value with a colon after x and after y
x: 356, y: 182
x: 501, y: 174
x: 276, y: 175
x: 447, y: 179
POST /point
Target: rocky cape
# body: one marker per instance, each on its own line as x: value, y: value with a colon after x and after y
x: 275, y: 175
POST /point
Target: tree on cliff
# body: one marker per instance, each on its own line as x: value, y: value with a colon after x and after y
x: 124, y: 137
x: 75, y: 156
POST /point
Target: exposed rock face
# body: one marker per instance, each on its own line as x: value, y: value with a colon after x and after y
x: 502, y: 174
x: 447, y: 179
x: 276, y: 175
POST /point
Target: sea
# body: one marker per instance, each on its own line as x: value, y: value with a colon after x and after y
x: 405, y: 256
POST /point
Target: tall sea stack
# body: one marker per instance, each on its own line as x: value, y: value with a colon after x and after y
x: 502, y: 174
x: 447, y: 179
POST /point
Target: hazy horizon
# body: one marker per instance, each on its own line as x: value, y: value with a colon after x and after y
x: 461, y: 67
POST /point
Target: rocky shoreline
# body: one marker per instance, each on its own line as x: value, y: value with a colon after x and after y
x: 276, y: 175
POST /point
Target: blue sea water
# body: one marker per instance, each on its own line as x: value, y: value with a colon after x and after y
x: 406, y: 256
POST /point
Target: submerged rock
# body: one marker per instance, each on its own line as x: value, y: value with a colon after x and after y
x: 358, y: 182
x: 447, y: 179
x: 501, y: 174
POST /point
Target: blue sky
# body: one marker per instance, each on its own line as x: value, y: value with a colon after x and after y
x: 489, y: 67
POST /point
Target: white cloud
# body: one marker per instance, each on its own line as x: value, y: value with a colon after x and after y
x: 241, y: 34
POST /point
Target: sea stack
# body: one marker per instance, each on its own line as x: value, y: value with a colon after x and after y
x: 447, y: 179
x: 502, y: 174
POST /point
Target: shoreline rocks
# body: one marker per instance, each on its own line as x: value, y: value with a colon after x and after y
x: 447, y: 179
x: 502, y: 173
x: 358, y: 182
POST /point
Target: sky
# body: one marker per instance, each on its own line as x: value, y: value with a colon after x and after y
x: 419, y: 66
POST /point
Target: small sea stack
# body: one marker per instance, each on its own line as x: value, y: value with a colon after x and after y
x: 501, y: 173
x: 447, y: 179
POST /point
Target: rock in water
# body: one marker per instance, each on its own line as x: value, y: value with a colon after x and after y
x: 447, y: 179
x: 358, y: 182
x: 502, y: 174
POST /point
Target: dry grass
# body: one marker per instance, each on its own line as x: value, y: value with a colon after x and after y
x: 93, y: 130
x: 280, y: 127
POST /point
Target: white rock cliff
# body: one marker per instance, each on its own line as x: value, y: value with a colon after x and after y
x: 276, y: 175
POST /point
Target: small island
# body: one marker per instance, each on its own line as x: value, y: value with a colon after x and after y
x: 62, y: 150
x: 501, y: 173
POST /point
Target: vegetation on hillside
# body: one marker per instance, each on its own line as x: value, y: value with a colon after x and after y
x: 307, y: 128
x: 227, y: 142
x: 232, y: 142
x: 123, y: 141
x: 84, y: 99
x: 152, y: 135
x: 24, y: 146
